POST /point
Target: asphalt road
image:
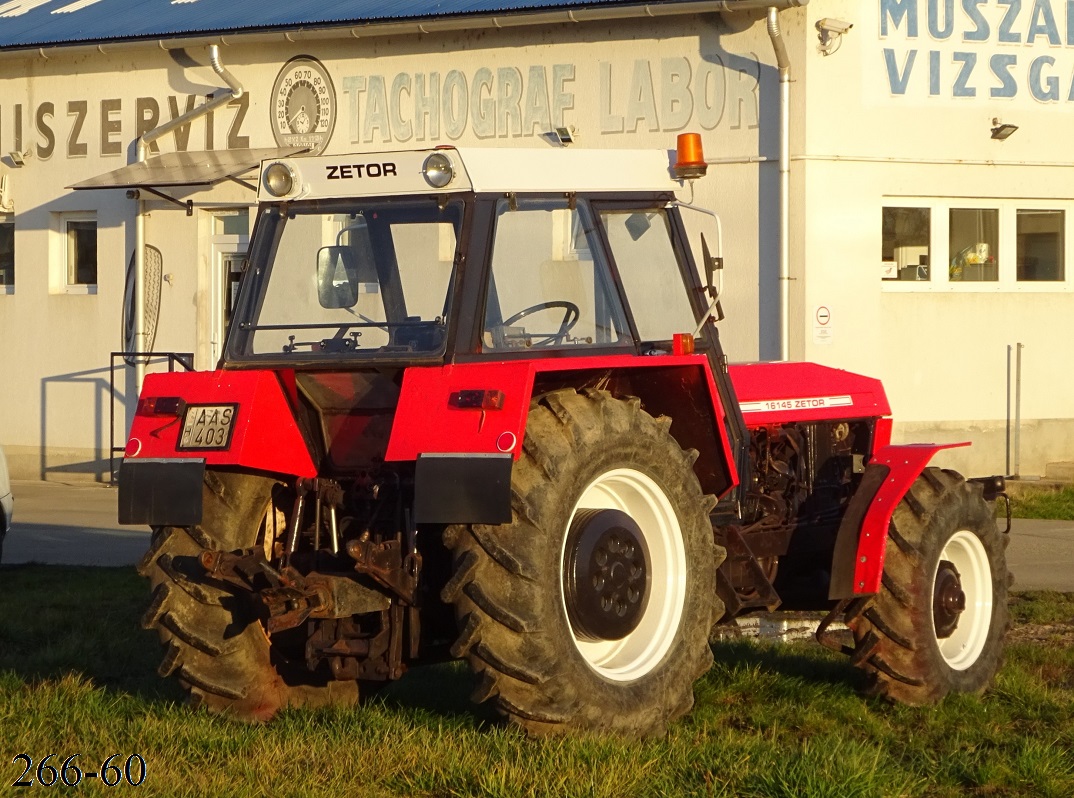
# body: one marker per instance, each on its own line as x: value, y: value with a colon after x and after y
x: 64, y: 524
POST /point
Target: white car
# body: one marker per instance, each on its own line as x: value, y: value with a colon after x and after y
x: 6, y: 502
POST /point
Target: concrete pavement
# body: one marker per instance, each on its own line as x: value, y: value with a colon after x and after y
x: 1041, y: 554
x: 75, y: 524
x: 70, y: 524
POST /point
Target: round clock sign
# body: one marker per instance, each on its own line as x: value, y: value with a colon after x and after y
x: 303, y: 105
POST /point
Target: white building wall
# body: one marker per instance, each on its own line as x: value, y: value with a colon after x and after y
x: 860, y: 141
x: 941, y: 346
x: 619, y: 84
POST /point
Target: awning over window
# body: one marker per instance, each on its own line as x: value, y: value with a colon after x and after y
x: 173, y: 169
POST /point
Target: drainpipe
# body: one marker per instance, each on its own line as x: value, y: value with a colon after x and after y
x: 783, y: 61
x: 234, y: 91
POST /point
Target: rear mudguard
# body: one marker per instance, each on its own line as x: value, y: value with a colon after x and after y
x: 463, y: 423
x: 160, y: 482
x: 481, y: 408
x: 858, y: 561
x: 264, y: 433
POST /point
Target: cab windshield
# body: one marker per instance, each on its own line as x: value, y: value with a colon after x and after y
x: 355, y: 280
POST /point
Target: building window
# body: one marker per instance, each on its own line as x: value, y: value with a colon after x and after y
x: 1040, y: 245
x: 81, y: 237
x: 974, y: 245
x: 7, y: 254
x: 906, y: 236
x: 234, y: 222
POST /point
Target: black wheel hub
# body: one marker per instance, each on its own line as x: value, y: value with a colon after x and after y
x: 605, y: 574
x: 948, y: 600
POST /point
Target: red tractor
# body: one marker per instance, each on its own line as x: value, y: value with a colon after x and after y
x: 473, y: 404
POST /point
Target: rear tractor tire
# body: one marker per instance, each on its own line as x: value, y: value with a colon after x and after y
x: 937, y: 625
x: 214, y: 643
x: 591, y: 611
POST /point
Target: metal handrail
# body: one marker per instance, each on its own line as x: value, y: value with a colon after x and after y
x: 184, y: 359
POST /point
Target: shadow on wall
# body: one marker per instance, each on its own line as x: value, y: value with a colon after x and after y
x: 103, y: 398
x: 78, y: 397
x: 750, y: 67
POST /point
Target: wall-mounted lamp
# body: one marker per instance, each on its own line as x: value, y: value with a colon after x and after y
x: 1000, y: 131
x: 19, y: 158
x: 564, y: 135
x: 830, y: 32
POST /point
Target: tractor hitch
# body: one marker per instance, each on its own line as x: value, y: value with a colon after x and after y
x: 291, y: 598
x: 387, y: 564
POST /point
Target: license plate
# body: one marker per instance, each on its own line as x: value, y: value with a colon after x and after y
x: 207, y: 426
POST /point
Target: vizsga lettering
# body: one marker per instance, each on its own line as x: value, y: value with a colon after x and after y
x: 1009, y: 25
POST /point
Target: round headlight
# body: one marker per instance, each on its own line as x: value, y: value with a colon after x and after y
x: 279, y: 179
x: 438, y: 170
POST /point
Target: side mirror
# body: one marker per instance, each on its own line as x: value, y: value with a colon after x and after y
x: 337, y: 277
x: 711, y: 266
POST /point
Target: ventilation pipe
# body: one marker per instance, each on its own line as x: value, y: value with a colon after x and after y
x: 234, y: 91
x: 783, y: 61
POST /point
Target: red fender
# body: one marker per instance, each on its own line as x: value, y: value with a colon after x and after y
x: 265, y: 436
x: 430, y: 419
x: 895, y: 468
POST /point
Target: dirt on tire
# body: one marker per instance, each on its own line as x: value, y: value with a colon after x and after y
x: 896, y: 641
x: 507, y: 583
x: 214, y: 642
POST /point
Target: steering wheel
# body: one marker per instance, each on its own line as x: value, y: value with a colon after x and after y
x: 571, y: 314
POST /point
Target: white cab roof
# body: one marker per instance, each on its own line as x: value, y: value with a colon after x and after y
x: 480, y: 170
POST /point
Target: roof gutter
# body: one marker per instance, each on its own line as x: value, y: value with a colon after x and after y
x: 234, y: 91
x: 414, y: 27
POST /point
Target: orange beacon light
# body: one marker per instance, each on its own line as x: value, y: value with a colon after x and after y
x: 689, y: 157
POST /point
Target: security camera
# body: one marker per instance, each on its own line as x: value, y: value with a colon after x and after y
x: 836, y: 26
x: 830, y: 32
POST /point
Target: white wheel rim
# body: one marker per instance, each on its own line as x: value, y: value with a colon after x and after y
x: 965, y: 551
x: 640, y: 497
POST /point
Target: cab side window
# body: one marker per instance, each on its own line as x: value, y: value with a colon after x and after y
x: 549, y: 284
x: 641, y: 244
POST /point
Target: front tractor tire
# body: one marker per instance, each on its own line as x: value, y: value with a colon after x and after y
x: 937, y: 625
x: 591, y: 610
x: 213, y: 641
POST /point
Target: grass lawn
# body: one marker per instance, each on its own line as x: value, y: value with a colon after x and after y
x: 1055, y: 504
x: 77, y: 675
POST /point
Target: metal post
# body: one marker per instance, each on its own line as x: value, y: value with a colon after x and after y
x: 139, y: 278
x: 1007, y: 467
x: 1018, y: 411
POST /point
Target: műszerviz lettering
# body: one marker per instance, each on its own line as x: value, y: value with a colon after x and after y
x: 69, y: 774
x: 360, y: 170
